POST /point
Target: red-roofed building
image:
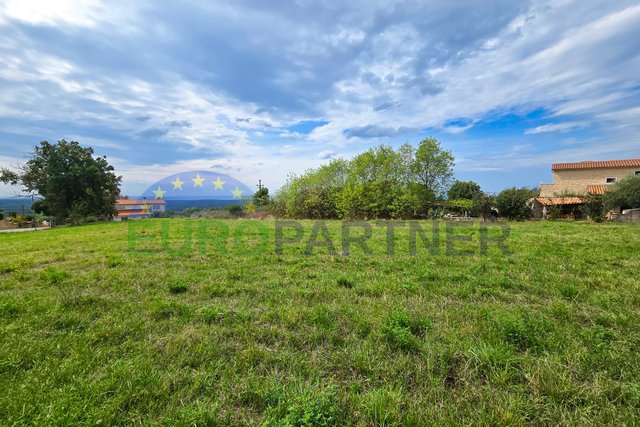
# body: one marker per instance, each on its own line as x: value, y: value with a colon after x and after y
x: 577, y: 179
x: 138, y: 208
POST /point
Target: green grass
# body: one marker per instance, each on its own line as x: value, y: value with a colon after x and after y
x: 229, y: 333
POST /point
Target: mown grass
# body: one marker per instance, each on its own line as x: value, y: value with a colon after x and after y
x: 229, y: 333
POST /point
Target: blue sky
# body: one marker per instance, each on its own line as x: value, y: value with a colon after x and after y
x: 260, y: 89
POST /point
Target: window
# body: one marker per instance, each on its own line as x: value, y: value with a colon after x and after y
x: 610, y: 180
x: 637, y: 173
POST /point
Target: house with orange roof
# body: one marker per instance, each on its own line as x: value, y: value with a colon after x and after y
x: 138, y: 208
x: 572, y: 181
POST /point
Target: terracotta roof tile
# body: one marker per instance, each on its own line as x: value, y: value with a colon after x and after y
x: 626, y: 163
x: 597, y: 189
x: 551, y: 201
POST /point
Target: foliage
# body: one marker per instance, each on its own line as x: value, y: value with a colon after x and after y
x: 261, y: 197
x: 554, y: 212
x: 235, y: 210
x: 482, y: 206
x: 595, y: 207
x: 379, y: 183
x: 464, y: 190
x: 1, y: 215
x: 460, y: 205
x: 71, y: 181
x: 624, y: 193
x: 433, y: 166
x: 512, y: 203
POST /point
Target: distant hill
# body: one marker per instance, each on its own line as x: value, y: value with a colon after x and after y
x: 19, y: 205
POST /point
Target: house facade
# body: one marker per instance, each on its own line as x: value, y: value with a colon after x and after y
x: 572, y: 180
x: 138, y: 208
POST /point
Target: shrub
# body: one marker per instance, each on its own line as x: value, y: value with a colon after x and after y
x: 235, y: 210
x: 512, y: 203
x: 595, y: 207
x: 624, y: 193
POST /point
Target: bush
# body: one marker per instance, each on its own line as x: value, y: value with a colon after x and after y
x: 1, y: 215
x: 235, y: 210
x: 624, y: 194
x: 464, y: 190
x: 595, y: 207
x: 482, y: 206
x: 512, y: 203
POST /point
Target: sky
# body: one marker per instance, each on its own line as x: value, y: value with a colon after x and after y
x: 260, y: 89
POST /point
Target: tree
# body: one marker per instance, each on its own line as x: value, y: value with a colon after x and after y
x: 482, y: 206
x: 261, y: 197
x: 70, y: 180
x: 463, y: 190
x: 512, y: 203
x: 433, y: 166
x: 624, y: 194
x: 595, y: 207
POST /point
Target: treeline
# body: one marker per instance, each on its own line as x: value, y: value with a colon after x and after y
x: 385, y: 183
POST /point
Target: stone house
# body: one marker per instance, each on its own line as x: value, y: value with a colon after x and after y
x: 572, y: 180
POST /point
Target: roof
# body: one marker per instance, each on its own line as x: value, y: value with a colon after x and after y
x: 627, y: 163
x: 597, y: 189
x: 134, y: 212
x: 140, y: 201
x: 552, y: 201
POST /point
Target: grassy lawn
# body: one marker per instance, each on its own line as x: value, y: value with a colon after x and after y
x: 226, y: 332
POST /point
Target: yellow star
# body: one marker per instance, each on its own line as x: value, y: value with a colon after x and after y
x: 159, y: 193
x: 219, y: 184
x: 177, y: 184
x: 197, y: 181
x: 237, y: 193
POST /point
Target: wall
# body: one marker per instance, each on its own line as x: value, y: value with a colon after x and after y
x: 575, y: 181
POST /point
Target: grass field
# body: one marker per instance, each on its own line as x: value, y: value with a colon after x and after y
x: 104, y: 325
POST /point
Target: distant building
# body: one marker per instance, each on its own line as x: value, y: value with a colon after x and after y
x: 573, y: 180
x: 138, y: 208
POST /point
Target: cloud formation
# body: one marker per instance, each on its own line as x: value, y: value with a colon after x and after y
x: 267, y: 88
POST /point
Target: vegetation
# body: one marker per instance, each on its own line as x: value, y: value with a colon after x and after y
x: 379, y: 183
x: 72, y: 182
x: 624, y: 193
x: 468, y: 190
x: 595, y: 207
x: 261, y: 197
x: 223, y: 335
x: 513, y: 203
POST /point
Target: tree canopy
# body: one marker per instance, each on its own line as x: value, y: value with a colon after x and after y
x: 71, y: 181
x: 624, y: 193
x: 380, y: 183
x: 464, y: 190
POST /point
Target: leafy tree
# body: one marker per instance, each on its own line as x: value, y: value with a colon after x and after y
x: 463, y: 190
x: 433, y: 166
x: 595, y: 207
x: 624, y: 194
x: 70, y: 180
x: 482, y: 206
x: 261, y: 197
x: 512, y: 203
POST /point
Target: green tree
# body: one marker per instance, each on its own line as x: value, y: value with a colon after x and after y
x: 70, y: 180
x: 624, y: 194
x: 261, y: 197
x: 433, y: 166
x: 463, y: 190
x: 482, y: 206
x: 595, y: 207
x: 512, y: 203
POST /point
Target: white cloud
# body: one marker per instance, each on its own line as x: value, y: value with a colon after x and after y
x: 556, y: 127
